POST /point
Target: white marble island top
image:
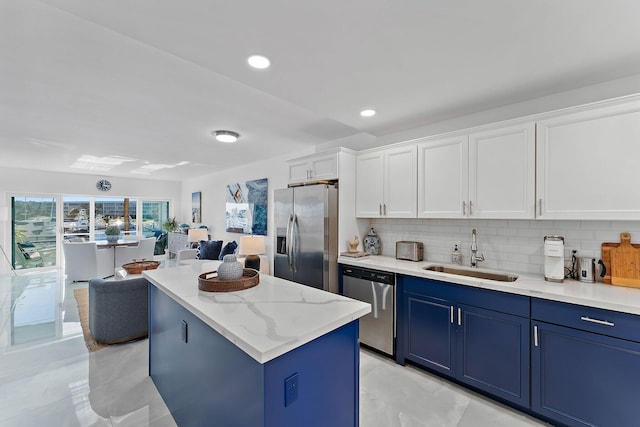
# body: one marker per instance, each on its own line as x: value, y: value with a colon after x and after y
x: 598, y: 295
x: 265, y: 321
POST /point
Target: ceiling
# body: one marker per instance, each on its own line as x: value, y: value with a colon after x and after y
x: 134, y: 88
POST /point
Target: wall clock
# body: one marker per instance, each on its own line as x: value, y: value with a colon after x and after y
x: 103, y: 185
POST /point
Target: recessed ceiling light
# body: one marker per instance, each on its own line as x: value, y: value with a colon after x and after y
x: 368, y: 113
x: 226, y: 136
x: 258, y: 61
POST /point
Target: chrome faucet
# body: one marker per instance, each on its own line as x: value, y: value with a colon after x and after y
x: 475, y: 258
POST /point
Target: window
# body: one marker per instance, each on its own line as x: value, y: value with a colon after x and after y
x: 115, y: 211
x: 34, y: 231
x: 76, y: 217
x: 40, y: 223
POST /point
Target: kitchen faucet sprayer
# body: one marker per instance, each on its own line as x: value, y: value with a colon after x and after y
x: 475, y: 258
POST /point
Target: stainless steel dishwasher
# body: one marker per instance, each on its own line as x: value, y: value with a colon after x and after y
x: 378, y: 288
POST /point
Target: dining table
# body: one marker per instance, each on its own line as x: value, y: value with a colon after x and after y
x: 102, y: 244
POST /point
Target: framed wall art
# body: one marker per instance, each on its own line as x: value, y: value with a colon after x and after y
x: 196, y: 207
x: 246, y: 207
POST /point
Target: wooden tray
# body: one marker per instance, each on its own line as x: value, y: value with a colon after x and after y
x: 139, y: 265
x: 354, y: 254
x: 611, y: 255
x: 250, y: 278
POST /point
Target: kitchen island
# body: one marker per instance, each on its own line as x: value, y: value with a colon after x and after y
x: 278, y: 354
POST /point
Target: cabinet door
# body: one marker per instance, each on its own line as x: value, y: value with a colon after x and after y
x: 299, y: 171
x: 400, y: 179
x: 430, y: 333
x: 369, y: 185
x: 587, y: 164
x: 324, y: 167
x: 321, y: 167
x: 502, y: 173
x: 493, y: 353
x: 584, y: 379
x: 443, y: 177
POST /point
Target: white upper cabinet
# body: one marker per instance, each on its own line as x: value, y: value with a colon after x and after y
x: 588, y: 164
x: 369, y: 184
x: 502, y: 173
x: 386, y: 183
x: 314, y: 168
x: 442, y: 178
x: 488, y: 174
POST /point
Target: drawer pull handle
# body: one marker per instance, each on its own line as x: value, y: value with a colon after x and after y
x: 599, y: 322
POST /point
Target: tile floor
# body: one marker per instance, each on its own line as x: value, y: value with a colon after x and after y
x: 47, y: 377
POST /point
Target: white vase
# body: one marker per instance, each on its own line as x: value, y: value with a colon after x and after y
x: 372, y: 243
x: 230, y: 269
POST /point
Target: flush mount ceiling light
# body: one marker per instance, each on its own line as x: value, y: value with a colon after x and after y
x: 259, y: 61
x: 226, y: 136
x: 368, y: 113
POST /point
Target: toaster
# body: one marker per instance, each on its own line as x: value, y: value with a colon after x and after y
x: 412, y: 251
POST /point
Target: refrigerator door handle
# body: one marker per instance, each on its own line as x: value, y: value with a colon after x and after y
x: 288, y: 241
x: 294, y: 243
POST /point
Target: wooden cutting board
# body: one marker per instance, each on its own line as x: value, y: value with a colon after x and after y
x: 606, y: 258
x: 623, y: 263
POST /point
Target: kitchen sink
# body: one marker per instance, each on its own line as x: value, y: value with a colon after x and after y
x: 459, y: 271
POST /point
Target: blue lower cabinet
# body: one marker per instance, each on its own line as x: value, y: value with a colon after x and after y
x: 582, y: 378
x: 430, y: 337
x: 206, y: 380
x: 493, y: 353
x: 487, y: 349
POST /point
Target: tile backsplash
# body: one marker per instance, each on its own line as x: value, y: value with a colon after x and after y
x: 511, y: 245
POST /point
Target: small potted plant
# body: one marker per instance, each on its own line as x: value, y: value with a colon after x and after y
x: 171, y: 224
x: 112, y: 233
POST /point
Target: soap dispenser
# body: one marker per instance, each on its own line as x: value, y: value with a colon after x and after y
x: 456, y: 256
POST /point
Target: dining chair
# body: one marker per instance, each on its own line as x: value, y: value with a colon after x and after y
x: 144, y: 250
x: 84, y: 261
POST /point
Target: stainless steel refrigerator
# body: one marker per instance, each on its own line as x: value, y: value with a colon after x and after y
x: 306, y: 221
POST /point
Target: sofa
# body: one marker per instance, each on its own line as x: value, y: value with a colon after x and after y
x: 188, y: 257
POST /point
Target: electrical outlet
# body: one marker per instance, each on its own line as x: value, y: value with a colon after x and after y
x: 290, y: 389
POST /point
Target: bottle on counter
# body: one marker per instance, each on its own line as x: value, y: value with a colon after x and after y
x: 456, y: 256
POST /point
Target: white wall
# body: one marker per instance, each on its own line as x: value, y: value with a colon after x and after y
x: 32, y: 182
x: 213, y: 197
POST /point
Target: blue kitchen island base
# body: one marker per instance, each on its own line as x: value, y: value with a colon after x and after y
x: 206, y: 380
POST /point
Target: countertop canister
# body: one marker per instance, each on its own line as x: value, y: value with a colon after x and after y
x: 372, y: 243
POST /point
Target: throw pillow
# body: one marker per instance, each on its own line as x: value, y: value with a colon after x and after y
x: 229, y: 248
x: 209, y: 249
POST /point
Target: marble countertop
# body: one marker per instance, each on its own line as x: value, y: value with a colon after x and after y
x: 265, y: 321
x: 599, y: 295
